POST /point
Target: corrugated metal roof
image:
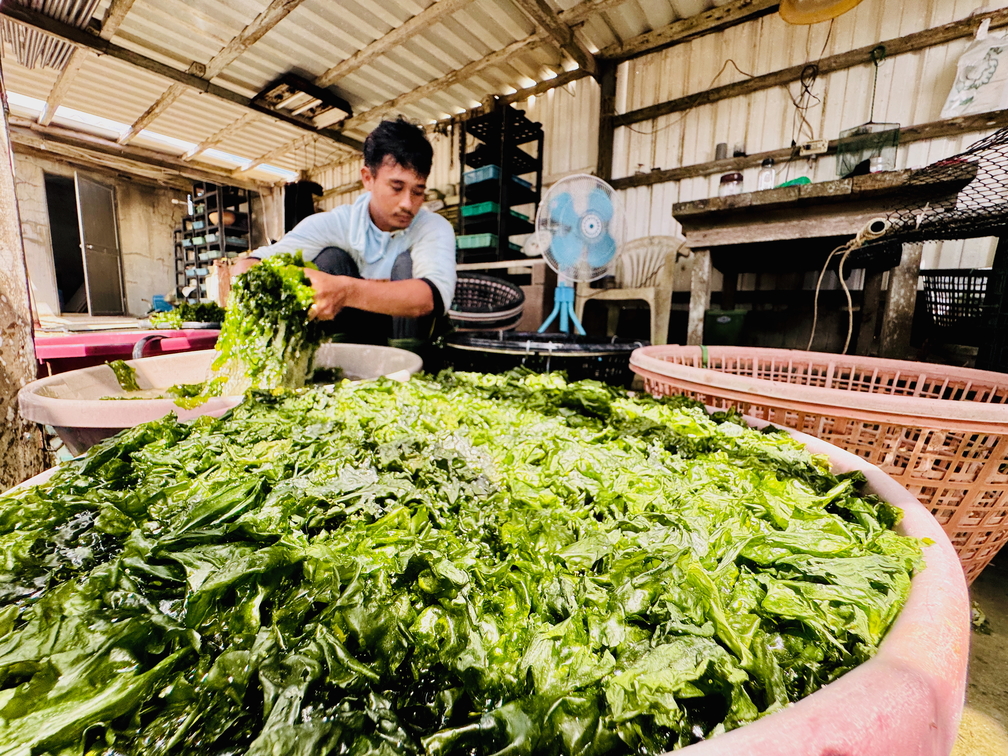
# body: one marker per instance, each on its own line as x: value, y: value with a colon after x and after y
x: 35, y: 49
x: 314, y: 37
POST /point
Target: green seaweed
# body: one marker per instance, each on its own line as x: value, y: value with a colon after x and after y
x: 468, y: 564
x: 202, y: 312
x: 125, y: 374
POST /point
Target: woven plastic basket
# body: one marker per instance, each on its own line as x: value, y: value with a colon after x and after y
x: 942, y: 432
x: 485, y: 303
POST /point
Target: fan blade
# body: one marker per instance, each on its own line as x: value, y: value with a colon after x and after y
x: 600, y: 204
x: 562, y: 215
x: 601, y: 251
x: 566, y: 250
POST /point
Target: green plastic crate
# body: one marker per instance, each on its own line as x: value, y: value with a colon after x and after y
x: 480, y: 241
x: 475, y: 241
x: 483, y: 208
x: 479, y: 208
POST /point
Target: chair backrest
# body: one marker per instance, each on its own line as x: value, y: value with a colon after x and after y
x: 642, y: 262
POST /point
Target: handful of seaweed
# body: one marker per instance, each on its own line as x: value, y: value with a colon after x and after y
x: 267, y: 341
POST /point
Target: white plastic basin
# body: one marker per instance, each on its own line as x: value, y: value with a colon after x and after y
x: 72, y: 402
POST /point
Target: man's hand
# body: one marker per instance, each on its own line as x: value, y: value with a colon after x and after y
x: 242, y: 264
x: 331, y: 293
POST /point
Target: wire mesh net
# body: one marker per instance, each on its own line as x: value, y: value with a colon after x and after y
x: 961, y: 197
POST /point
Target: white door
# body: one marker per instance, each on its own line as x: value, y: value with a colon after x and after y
x: 100, y: 247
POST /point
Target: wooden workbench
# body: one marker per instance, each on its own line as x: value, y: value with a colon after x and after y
x: 794, y: 229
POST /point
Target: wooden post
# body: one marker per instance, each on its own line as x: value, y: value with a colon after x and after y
x: 700, y: 291
x: 900, y: 303
x: 729, y: 289
x: 607, y: 109
x: 871, y: 296
x: 22, y: 454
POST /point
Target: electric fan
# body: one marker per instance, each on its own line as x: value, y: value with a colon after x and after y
x: 578, y: 228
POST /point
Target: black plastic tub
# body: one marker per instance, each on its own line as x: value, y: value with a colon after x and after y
x: 581, y: 357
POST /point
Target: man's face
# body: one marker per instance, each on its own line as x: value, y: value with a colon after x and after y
x: 396, y: 194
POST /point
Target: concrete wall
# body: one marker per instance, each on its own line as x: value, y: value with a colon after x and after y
x: 31, y: 198
x: 146, y: 218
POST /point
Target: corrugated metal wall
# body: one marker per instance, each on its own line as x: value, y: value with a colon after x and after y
x: 569, y: 115
x: 911, y: 90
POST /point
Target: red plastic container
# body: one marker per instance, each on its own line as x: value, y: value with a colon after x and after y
x: 59, y: 354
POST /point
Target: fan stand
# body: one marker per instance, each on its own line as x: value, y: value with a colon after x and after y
x: 563, y: 305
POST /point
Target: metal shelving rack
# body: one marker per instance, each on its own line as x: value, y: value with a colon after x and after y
x: 205, y: 236
x: 501, y: 163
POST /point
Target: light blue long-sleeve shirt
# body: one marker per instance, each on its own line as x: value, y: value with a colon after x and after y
x: 429, y: 239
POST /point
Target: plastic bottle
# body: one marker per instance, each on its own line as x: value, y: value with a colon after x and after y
x: 767, y: 176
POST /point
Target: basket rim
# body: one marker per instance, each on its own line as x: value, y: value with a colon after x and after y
x: 481, y: 280
x: 471, y: 317
x: 948, y: 414
x: 535, y: 343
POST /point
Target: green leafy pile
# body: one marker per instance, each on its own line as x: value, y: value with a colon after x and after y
x: 267, y: 340
x: 203, y: 312
x: 473, y: 564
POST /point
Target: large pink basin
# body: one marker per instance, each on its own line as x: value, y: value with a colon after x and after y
x: 76, y: 403
x: 908, y: 699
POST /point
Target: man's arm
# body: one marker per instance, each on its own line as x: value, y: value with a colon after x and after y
x: 411, y: 298
x: 242, y: 264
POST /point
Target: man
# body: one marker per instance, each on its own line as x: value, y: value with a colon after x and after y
x: 386, y: 264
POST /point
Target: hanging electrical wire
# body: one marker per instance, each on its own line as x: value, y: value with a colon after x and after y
x: 696, y: 98
x: 874, y: 229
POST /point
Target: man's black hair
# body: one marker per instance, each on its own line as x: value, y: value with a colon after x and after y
x: 403, y: 142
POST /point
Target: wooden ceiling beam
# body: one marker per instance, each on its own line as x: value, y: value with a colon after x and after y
x: 168, y: 98
x: 95, y: 150
x: 446, y: 81
x: 407, y: 30
x: 275, y: 12
x: 114, y: 16
x: 558, y: 31
x: 215, y: 139
x: 708, y: 21
x: 571, y: 17
x: 278, y: 152
x: 83, y: 38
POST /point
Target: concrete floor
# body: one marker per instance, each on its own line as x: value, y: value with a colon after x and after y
x: 984, y: 731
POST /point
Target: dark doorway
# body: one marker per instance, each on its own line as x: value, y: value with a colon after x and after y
x: 61, y: 198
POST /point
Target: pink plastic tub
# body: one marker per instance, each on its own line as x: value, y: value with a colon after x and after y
x: 940, y: 431
x: 908, y: 699
x: 58, y: 354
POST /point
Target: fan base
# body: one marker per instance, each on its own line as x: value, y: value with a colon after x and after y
x: 563, y: 305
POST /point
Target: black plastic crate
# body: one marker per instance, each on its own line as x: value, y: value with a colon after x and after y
x: 959, y: 297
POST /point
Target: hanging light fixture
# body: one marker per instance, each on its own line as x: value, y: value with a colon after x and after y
x: 814, y: 11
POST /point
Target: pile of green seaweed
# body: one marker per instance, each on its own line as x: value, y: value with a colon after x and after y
x: 267, y: 341
x: 201, y: 312
x: 464, y: 565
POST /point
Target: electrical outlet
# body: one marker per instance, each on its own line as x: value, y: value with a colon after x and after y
x: 817, y: 147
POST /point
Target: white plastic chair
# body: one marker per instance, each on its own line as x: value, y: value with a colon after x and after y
x: 644, y: 270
